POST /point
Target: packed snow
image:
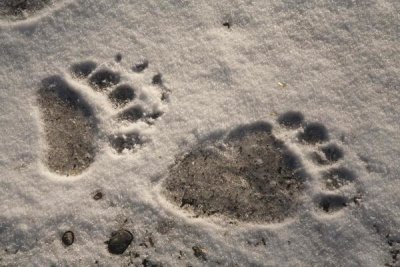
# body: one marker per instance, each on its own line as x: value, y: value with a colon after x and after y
x: 324, y: 75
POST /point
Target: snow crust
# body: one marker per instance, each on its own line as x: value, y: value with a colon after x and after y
x: 337, y: 62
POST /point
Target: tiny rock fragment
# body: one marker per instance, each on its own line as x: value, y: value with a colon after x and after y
x: 199, y: 253
x: 98, y: 195
x: 68, y: 238
x: 118, y: 57
x: 119, y: 241
x: 282, y: 85
x: 227, y: 24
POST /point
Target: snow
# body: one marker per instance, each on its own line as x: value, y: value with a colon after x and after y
x: 339, y: 60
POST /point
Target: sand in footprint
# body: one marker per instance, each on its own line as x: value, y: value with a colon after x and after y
x: 251, y: 177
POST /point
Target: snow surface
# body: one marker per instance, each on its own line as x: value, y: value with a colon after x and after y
x: 340, y: 64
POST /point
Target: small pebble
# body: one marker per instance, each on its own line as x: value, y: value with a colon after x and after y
x: 199, y: 253
x: 98, y: 195
x: 119, y: 241
x: 68, y: 238
x: 118, y: 57
x: 282, y: 84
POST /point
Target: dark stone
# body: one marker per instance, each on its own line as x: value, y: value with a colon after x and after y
x: 119, y: 241
x: 98, y: 195
x: 118, y: 57
x: 68, y: 238
x: 199, y: 253
x: 227, y: 24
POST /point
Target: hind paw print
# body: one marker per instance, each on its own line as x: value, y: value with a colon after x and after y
x: 253, y: 174
x: 94, y: 101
